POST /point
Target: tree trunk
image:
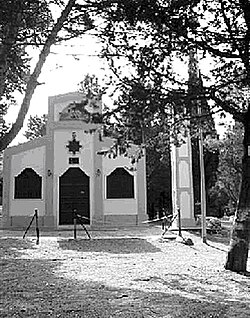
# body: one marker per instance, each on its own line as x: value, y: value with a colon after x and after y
x: 239, y: 244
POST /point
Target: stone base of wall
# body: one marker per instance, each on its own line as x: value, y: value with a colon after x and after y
x: 120, y: 220
x: 22, y: 222
x: 48, y: 222
x: 185, y: 224
x: 114, y: 221
x: 126, y: 220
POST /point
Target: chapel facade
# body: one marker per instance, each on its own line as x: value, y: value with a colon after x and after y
x: 66, y: 171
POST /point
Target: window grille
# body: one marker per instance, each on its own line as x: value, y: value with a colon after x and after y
x: 28, y: 185
x: 120, y: 185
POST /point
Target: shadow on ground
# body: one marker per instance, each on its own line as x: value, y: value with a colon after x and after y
x: 13, y: 246
x: 32, y: 288
x: 223, y: 237
x: 206, y: 288
x: 112, y: 245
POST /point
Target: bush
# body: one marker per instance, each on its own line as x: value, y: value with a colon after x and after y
x: 213, y: 224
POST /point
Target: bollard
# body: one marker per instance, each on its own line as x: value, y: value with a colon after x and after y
x: 75, y: 223
x: 179, y: 221
x: 35, y: 216
x: 37, y: 227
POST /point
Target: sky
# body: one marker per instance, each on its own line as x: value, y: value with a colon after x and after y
x: 65, y: 67
x: 61, y: 74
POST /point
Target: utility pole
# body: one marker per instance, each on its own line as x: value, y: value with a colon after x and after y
x: 195, y: 86
x: 202, y: 183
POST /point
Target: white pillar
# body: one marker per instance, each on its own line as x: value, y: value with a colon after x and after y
x: 182, y: 182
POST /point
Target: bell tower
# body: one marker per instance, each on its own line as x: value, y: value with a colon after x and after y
x: 181, y: 163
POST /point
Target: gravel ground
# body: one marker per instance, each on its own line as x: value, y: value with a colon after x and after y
x: 119, y: 273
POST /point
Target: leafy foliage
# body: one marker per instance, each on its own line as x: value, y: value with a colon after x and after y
x: 25, y: 25
x: 229, y: 173
x: 36, y: 127
x: 219, y: 30
x: 151, y: 35
x: 90, y: 86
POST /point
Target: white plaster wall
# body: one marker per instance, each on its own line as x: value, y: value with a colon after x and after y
x: 118, y: 206
x: 185, y: 205
x: 183, y: 149
x: 184, y: 174
x: 35, y: 159
x: 182, y: 186
x: 174, y: 176
x: 111, y: 164
x: 62, y: 154
x: 61, y: 160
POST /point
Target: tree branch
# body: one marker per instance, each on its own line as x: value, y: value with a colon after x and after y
x: 217, y: 52
x: 225, y: 105
x: 10, y: 31
x: 245, y: 5
x: 227, y: 22
x: 32, y: 82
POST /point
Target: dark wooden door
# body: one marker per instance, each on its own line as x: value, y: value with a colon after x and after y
x: 73, y: 195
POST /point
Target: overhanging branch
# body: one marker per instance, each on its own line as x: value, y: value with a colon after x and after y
x: 217, y: 52
x: 33, y: 80
x: 228, y: 107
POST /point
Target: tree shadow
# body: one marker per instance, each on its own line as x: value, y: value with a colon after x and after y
x: 12, y: 247
x: 36, y: 288
x: 246, y: 274
x: 203, y: 288
x: 109, y: 245
x: 31, y: 288
x: 223, y: 237
x: 222, y: 249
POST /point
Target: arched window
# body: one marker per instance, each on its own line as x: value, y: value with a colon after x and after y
x: 120, y: 184
x: 28, y: 185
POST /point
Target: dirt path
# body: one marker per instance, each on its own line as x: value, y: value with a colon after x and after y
x: 123, y: 273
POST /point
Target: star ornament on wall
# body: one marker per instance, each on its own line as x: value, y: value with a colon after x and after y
x: 74, y: 145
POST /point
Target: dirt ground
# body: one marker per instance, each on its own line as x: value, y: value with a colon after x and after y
x: 120, y: 273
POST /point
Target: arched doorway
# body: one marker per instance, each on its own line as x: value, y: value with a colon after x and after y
x: 73, y: 194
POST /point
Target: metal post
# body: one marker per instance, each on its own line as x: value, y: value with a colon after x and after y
x: 27, y: 229
x: 179, y: 220
x: 37, y: 227
x: 203, y: 189
x: 74, y: 216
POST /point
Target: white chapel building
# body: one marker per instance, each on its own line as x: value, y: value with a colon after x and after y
x: 65, y: 171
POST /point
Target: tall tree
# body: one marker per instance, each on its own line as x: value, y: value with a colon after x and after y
x: 230, y: 167
x: 152, y: 35
x: 24, y: 23
x: 30, y: 23
x: 229, y: 174
x: 21, y: 23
